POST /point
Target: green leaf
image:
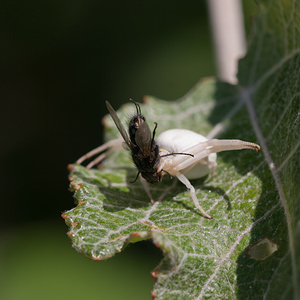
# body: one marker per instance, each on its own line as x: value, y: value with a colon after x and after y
x: 250, y: 250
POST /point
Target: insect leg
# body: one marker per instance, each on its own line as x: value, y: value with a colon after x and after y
x: 113, y: 145
x: 153, y: 134
x: 187, y: 183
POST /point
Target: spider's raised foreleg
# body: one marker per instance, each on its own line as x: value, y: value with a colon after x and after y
x: 189, y: 186
x: 107, y: 148
x: 202, y: 150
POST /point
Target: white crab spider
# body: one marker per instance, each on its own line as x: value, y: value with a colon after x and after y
x: 174, y: 145
x: 204, y: 160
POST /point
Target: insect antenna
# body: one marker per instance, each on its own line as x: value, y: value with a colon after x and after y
x: 137, y: 106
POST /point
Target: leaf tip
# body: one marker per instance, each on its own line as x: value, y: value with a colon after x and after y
x: 70, y: 167
x: 153, y: 274
x: 74, y: 187
x: 64, y: 216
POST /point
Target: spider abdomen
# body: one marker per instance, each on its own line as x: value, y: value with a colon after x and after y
x: 181, y: 141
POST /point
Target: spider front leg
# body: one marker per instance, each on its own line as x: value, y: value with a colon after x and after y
x: 205, y: 149
x: 189, y: 186
x: 107, y: 148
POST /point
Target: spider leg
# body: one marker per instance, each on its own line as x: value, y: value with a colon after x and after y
x: 109, y: 147
x: 203, y: 149
x: 146, y: 188
x: 99, y: 158
x: 189, y: 186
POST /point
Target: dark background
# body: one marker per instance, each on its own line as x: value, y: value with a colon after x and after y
x: 60, y: 60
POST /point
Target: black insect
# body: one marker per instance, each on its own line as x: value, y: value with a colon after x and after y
x: 144, y: 151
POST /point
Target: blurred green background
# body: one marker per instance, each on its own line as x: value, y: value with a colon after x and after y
x: 60, y: 61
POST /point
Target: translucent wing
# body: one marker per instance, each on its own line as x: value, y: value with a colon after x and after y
x: 118, y: 123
